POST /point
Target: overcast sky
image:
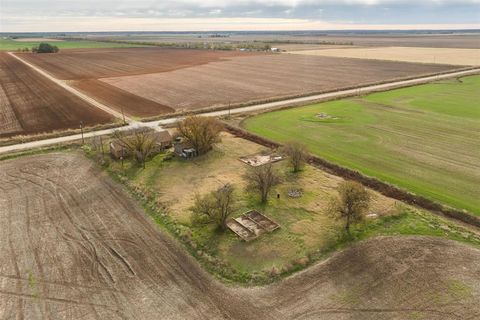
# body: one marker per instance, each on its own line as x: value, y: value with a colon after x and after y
x: 199, y: 15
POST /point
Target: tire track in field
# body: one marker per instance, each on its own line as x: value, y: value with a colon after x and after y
x: 80, y: 216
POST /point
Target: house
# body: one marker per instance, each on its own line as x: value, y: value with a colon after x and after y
x: 163, y: 139
x: 117, y: 150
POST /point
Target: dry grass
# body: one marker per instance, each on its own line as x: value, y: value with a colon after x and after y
x: 452, y: 56
x: 305, y: 225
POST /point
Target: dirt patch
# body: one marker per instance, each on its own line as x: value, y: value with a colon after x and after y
x: 76, y: 246
x: 257, y: 160
x: 31, y: 104
x: 386, y: 278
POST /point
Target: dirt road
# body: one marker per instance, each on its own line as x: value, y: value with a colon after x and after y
x: 74, y: 246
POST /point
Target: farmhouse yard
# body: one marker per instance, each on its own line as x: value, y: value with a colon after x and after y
x: 306, y: 233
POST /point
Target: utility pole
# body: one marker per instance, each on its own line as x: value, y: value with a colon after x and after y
x: 123, y: 116
x: 81, y: 129
x: 121, y: 158
x: 101, y: 148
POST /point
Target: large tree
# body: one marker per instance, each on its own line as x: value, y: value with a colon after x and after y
x: 262, y: 179
x: 139, y: 142
x: 45, y: 48
x: 352, y: 202
x: 201, y: 132
x: 297, y: 154
x: 216, y: 206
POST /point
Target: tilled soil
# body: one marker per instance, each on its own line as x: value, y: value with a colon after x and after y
x: 120, y: 100
x: 145, y: 82
x: 263, y: 77
x: 80, y: 64
x: 30, y: 103
x: 75, y: 246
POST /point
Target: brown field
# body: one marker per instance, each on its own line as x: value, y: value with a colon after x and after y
x: 118, y: 99
x: 253, y: 78
x: 99, y: 63
x: 460, y: 57
x: 30, y: 103
x: 152, y: 81
x: 74, y: 245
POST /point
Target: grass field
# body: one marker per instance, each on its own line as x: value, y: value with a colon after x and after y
x: 12, y: 45
x: 425, y: 138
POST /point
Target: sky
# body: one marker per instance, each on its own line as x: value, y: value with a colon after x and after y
x: 208, y: 15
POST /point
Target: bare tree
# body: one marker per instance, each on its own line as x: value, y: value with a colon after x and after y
x: 297, y: 154
x: 216, y: 206
x: 201, y: 132
x: 140, y: 143
x: 262, y: 179
x: 352, y: 202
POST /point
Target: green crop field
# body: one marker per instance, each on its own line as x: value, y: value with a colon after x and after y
x: 13, y: 45
x: 425, y: 139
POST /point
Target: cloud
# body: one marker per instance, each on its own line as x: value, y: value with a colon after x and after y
x: 361, y: 12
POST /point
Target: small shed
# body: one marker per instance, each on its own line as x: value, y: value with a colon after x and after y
x: 185, y: 150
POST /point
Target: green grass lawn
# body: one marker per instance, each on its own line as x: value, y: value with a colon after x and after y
x: 12, y: 45
x: 425, y: 139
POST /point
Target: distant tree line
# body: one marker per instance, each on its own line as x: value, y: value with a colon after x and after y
x: 251, y: 46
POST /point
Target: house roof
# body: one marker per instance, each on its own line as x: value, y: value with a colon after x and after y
x: 163, y: 136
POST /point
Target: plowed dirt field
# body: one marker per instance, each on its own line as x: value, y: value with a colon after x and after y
x: 262, y: 77
x: 75, y: 246
x: 30, y: 103
x: 151, y: 81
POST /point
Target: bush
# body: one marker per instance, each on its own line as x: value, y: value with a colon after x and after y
x: 45, y: 48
